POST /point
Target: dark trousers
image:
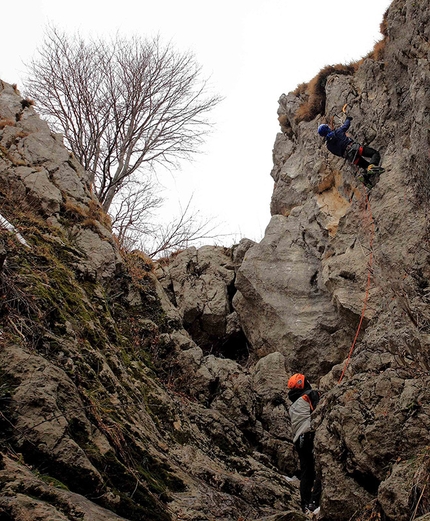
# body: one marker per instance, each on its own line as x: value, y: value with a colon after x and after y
x: 353, y: 155
x: 310, y: 485
x: 370, y: 153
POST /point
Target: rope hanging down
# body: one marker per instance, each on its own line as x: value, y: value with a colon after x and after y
x: 366, y: 295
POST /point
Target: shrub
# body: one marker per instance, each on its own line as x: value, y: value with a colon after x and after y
x: 383, y: 27
x: 378, y: 50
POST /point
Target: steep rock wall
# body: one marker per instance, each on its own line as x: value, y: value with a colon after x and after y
x: 108, y: 395
x: 336, y: 261
x: 314, y: 254
x: 302, y: 290
x: 109, y: 409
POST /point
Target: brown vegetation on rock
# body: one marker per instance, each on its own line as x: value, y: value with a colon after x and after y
x: 132, y: 389
x: 313, y: 94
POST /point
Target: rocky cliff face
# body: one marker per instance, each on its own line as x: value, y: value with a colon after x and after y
x: 138, y: 391
x: 110, y: 409
x: 336, y: 262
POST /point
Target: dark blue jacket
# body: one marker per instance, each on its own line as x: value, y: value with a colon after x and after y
x: 337, y: 140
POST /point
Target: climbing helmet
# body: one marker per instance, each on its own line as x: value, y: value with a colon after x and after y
x: 297, y: 381
x: 323, y: 130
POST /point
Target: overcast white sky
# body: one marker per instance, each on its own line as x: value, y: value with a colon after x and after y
x: 253, y: 51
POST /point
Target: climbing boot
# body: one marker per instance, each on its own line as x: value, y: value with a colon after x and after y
x: 375, y: 169
x: 312, y: 506
x: 365, y: 180
x: 367, y: 183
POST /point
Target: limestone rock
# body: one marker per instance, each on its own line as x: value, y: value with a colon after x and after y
x: 42, y: 391
x: 200, y: 284
x: 281, y: 301
x: 37, y: 168
x: 27, y: 496
x: 101, y: 258
x: 39, y: 188
x: 304, y: 291
x: 201, y: 288
x: 104, y: 391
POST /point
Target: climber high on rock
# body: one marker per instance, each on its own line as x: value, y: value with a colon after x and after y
x: 339, y: 144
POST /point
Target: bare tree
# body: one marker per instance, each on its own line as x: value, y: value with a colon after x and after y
x: 182, y: 231
x: 124, y: 106
x: 133, y: 209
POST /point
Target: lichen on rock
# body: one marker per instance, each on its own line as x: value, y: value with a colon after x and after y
x: 132, y: 389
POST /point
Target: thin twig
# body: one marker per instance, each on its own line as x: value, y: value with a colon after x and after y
x: 418, y: 503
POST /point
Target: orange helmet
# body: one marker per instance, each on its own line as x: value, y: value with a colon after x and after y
x: 297, y: 381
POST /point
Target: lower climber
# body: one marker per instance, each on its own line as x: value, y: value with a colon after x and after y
x: 304, y: 399
x: 339, y: 144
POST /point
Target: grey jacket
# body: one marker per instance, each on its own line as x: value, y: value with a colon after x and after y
x: 300, y: 413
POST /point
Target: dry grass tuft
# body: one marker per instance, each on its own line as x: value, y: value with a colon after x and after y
x: 89, y: 216
x: 6, y: 123
x: 20, y: 134
x: 139, y: 265
x: 95, y: 211
x: 378, y: 50
x: 73, y: 209
x: 25, y: 103
x: 300, y: 89
x: 383, y: 27
x: 91, y: 223
x: 314, y: 92
x: 285, y: 125
x: 165, y: 261
x: 420, y: 493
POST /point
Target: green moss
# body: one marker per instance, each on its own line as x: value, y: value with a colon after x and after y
x: 141, y: 481
x: 140, y: 494
x: 49, y: 480
x: 51, y: 296
x: 98, y: 325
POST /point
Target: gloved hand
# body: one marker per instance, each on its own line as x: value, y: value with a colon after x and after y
x: 349, y: 117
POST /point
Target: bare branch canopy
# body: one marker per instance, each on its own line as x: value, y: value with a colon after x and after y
x: 124, y: 106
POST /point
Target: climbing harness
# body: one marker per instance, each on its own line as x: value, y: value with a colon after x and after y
x: 366, y: 295
x: 357, y: 155
x: 355, y: 148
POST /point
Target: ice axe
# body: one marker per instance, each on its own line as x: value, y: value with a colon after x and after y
x: 338, y: 116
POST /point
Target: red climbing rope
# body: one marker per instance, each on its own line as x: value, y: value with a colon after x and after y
x: 366, y: 295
